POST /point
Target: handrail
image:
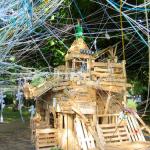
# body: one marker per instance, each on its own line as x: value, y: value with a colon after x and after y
x: 107, y: 115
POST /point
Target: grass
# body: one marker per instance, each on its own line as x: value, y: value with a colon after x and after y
x: 10, y: 115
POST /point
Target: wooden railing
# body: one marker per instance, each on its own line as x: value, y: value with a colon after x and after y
x: 108, y: 118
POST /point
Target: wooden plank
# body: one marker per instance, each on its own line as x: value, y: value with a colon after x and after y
x: 46, y: 130
x: 46, y: 145
x: 62, y: 84
x: 45, y: 142
x: 124, y: 69
x: 107, y: 103
x: 110, y: 130
x: 97, y: 69
x: 94, y: 134
x: 119, y: 135
x: 48, y: 136
x: 117, y: 139
x: 92, y: 143
x: 128, y: 135
x: 86, y: 135
x: 101, y: 64
x: 106, y: 115
x: 80, y: 134
x: 137, y: 127
x: 142, y: 122
x: 114, y: 89
x: 114, y: 134
x: 107, y: 75
x: 87, y: 108
x: 76, y: 55
x: 108, y: 70
x: 130, y: 132
x: 115, y: 84
x: 132, y: 129
x: 111, y: 125
x: 59, y: 88
x: 80, y: 114
x: 111, y: 88
x: 100, y: 135
x: 113, y: 80
x: 128, y: 146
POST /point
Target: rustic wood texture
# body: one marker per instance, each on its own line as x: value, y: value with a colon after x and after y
x: 78, y: 103
x: 114, y: 135
x: 46, y: 138
x: 128, y: 146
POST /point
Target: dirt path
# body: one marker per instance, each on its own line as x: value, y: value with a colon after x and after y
x: 15, y: 136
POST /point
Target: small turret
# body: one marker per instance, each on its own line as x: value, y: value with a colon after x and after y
x: 79, y: 53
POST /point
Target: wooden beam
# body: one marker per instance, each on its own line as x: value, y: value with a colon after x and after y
x: 94, y: 134
x: 100, y: 135
x: 107, y: 103
x: 102, y: 64
x: 107, y: 75
x: 143, y: 123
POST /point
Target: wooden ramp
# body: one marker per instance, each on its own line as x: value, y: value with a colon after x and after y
x: 84, y: 137
x: 45, y: 138
x: 134, y: 129
x: 87, y: 132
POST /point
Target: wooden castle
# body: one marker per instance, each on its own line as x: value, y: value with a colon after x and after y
x: 79, y: 107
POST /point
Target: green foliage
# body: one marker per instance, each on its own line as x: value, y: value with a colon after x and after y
x: 12, y: 58
x: 55, y: 148
x: 9, y: 98
x: 131, y: 104
x: 10, y: 115
x: 138, y: 88
x: 37, y: 81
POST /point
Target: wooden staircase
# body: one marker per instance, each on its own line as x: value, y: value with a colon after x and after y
x: 114, y: 134
x: 54, y: 84
x: 122, y: 131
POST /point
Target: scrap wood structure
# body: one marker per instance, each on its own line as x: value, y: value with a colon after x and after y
x: 79, y: 107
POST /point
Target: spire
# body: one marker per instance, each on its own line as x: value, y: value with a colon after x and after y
x: 79, y: 30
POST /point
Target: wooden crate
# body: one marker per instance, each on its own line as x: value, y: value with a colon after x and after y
x: 46, y: 138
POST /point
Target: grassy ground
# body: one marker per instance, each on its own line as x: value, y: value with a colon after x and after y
x: 10, y: 115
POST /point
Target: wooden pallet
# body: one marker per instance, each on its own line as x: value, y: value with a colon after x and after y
x: 134, y: 129
x: 114, y: 133
x: 45, y: 138
x: 85, y: 139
